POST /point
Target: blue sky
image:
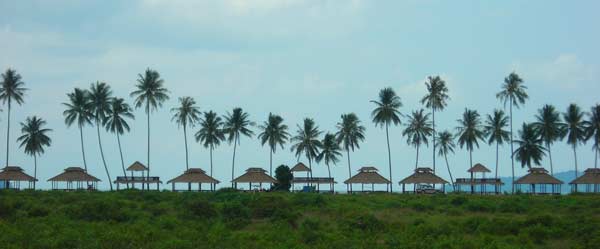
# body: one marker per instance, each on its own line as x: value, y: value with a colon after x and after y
x: 299, y: 59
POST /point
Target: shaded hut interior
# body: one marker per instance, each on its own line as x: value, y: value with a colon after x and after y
x: 74, y: 178
x: 479, y: 184
x: 309, y: 183
x: 424, y: 181
x: 256, y: 176
x: 538, y: 181
x: 589, y: 182
x: 141, y: 179
x: 194, y: 176
x: 370, y: 177
x: 12, y: 176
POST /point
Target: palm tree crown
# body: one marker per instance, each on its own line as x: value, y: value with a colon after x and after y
x: 530, y: 147
x: 418, y: 129
x: 274, y: 132
x: 592, y: 130
x: 350, y: 132
x: 437, y: 93
x: 78, y: 108
x: 513, y: 91
x: 237, y: 123
x: 34, y: 137
x: 115, y: 117
x: 494, y: 128
x: 12, y: 87
x: 387, y: 112
x: 187, y: 113
x: 575, y: 127
x: 210, y: 133
x: 446, y: 143
x: 330, y: 151
x: 549, y: 128
x: 307, y: 141
x: 100, y: 100
x: 150, y: 91
x: 469, y: 130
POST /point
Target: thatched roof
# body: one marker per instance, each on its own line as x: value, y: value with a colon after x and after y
x: 194, y: 175
x: 137, y: 166
x: 367, y: 175
x: 479, y: 168
x: 74, y: 174
x: 14, y: 173
x: 538, y: 176
x: 300, y: 167
x: 590, y: 176
x: 423, y: 175
x: 256, y: 175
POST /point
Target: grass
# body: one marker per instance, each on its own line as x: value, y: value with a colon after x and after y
x: 226, y: 219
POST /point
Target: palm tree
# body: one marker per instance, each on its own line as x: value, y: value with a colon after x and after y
x: 210, y: 133
x: 530, y: 146
x: 330, y: 152
x: 513, y: 92
x: 417, y: 131
x: 34, y: 139
x: 436, y: 97
x: 550, y: 128
x: 387, y: 113
x: 236, y: 124
x: 78, y: 111
x: 575, y: 129
x: 186, y: 114
x: 469, y: 131
x: 150, y: 94
x: 274, y: 132
x: 350, y: 133
x: 593, y: 131
x: 446, y: 142
x: 494, y: 130
x: 115, y: 122
x: 100, y: 104
x: 307, y: 141
x: 11, y: 89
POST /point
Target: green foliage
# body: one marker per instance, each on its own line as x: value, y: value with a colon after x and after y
x: 284, y: 177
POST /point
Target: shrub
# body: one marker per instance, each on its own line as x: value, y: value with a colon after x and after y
x: 458, y: 200
x: 97, y: 210
x: 365, y: 222
x: 266, y: 206
x: 235, y: 215
x: 201, y: 208
x: 310, y: 231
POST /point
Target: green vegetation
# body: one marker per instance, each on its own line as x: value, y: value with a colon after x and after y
x: 227, y: 219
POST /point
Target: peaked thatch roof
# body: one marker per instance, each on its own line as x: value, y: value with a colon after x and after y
x: 479, y: 168
x: 194, y: 175
x: 256, y: 175
x: 367, y: 175
x: 137, y: 166
x: 591, y: 176
x: 538, y: 176
x: 74, y: 174
x: 423, y: 175
x: 15, y: 173
x: 300, y: 167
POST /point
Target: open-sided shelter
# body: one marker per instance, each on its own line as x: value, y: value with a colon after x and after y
x: 143, y: 179
x: 12, y: 176
x: 423, y: 179
x: 370, y: 176
x: 75, y: 178
x: 256, y: 176
x: 539, y: 177
x: 194, y: 175
x: 590, y: 181
x: 482, y: 182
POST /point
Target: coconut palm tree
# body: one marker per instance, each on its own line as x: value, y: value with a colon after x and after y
x: 575, y: 129
x: 515, y: 93
x: 237, y: 123
x: 469, y: 132
x: 274, y: 132
x: 330, y: 151
x: 186, y: 114
x: 446, y: 145
x: 115, y: 122
x: 417, y: 131
x: 386, y: 113
x: 550, y: 128
x: 494, y: 129
x: 529, y: 146
x: 78, y: 111
x: 150, y: 94
x: 593, y: 131
x: 11, y: 89
x: 307, y: 141
x: 436, y: 97
x: 210, y: 133
x: 350, y: 133
x: 100, y: 104
x: 34, y: 139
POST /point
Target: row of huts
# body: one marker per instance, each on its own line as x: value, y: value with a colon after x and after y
x: 423, y: 180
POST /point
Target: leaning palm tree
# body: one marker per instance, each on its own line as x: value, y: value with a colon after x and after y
x: 436, y: 97
x: 593, y: 131
x: 186, y: 114
x: 530, y: 147
x: 494, y: 129
x: 330, y: 151
x: 237, y: 123
x: 575, y: 129
x: 514, y: 93
x: 150, y: 94
x: 417, y: 131
x: 350, y: 133
x: 385, y: 114
x: 34, y: 139
x: 274, y: 132
x: 115, y: 122
x: 446, y: 142
x: 307, y: 141
x: 469, y: 132
x: 100, y: 104
x: 210, y: 133
x: 78, y: 111
x: 550, y: 128
x: 11, y: 89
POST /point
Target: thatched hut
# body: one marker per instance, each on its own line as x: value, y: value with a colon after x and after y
x: 12, y: 176
x: 423, y: 179
x: 310, y: 181
x: 143, y: 179
x: 541, y: 178
x: 482, y: 182
x: 590, y: 180
x: 256, y: 176
x: 75, y: 175
x: 370, y: 176
x: 194, y: 175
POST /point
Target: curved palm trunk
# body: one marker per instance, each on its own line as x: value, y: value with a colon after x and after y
x: 8, y: 132
x: 122, y: 161
x: 310, y: 167
x: 497, y: 149
x: 512, y: 151
x: 433, y: 118
x: 235, y: 141
x: 550, y: 157
x: 271, y: 162
x: 211, y: 161
x: 34, y: 169
x: 102, y: 154
x: 387, y: 136
x: 349, y: 168
x: 329, y: 175
x: 187, y: 162
x: 449, y: 173
x: 82, y: 148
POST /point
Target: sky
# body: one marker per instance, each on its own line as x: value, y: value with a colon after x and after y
x: 298, y: 59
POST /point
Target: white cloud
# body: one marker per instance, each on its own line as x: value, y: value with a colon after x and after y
x: 566, y: 71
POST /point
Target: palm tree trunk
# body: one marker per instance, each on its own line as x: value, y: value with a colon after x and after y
x: 34, y: 169
x: 271, y: 162
x: 417, y: 161
x: 187, y: 162
x: 310, y: 167
x: 389, y: 155
x: 550, y: 157
x: 122, y: 161
x: 82, y: 148
x: 211, y: 161
x: 8, y: 132
x: 497, y: 148
x: 148, y: 152
x: 575, y: 157
x: 471, y: 165
x: 233, y: 160
x: 596, y: 158
x: 512, y: 151
x: 349, y: 168
x: 102, y: 154
x: 449, y: 172
x: 433, y: 118
x: 329, y: 175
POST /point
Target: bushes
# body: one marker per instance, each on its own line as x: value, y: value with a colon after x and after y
x: 201, y: 208
x: 235, y: 215
x: 97, y: 210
